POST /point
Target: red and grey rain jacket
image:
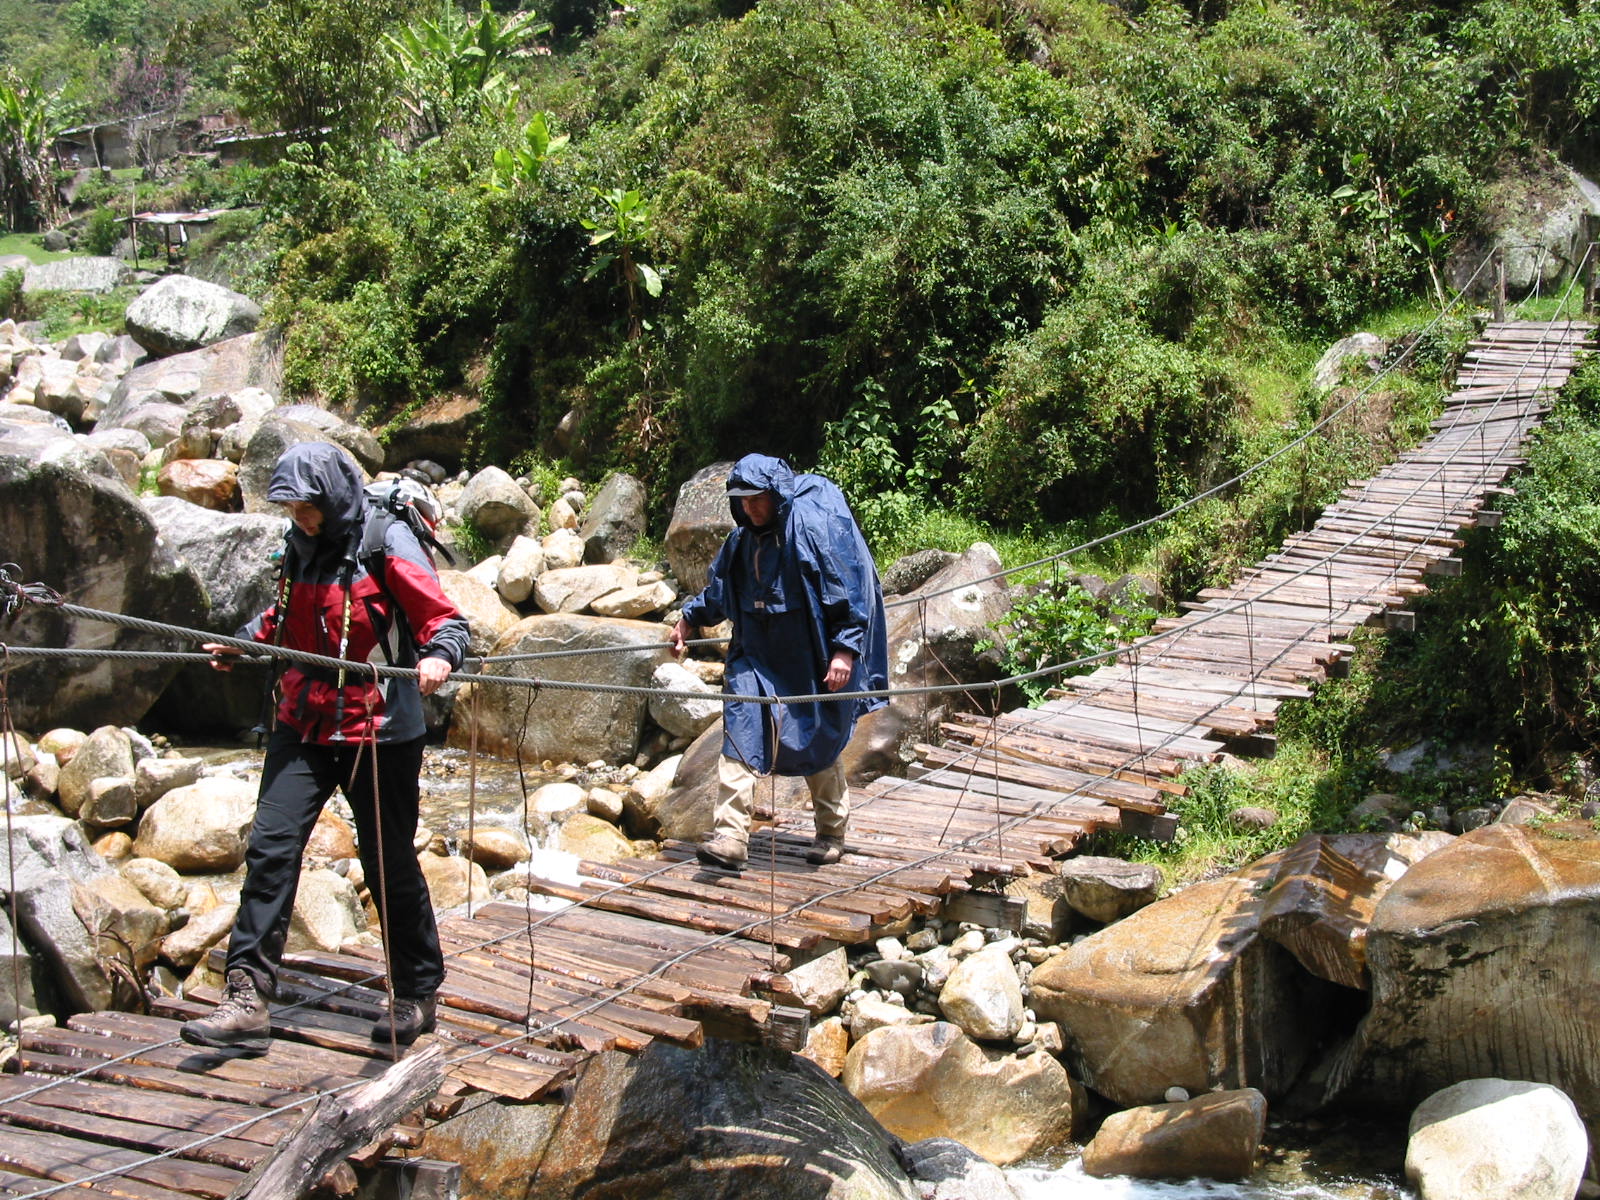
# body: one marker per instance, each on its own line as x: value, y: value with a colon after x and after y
x: 381, y: 607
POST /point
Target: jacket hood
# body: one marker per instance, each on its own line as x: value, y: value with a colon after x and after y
x: 764, y: 472
x: 326, y: 476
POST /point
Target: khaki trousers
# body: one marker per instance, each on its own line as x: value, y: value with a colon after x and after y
x: 736, y: 785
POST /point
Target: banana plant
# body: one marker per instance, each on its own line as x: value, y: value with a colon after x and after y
x: 621, y: 223
x: 28, y: 121
x: 449, y: 63
x: 518, y: 166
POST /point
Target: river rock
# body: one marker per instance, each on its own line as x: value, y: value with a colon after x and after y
x: 932, y: 640
x: 562, y: 549
x: 1482, y: 967
x: 645, y: 792
x: 109, y: 803
x: 494, y: 505
x: 1325, y: 892
x: 562, y: 515
x: 1489, y: 1139
x: 933, y: 1081
x: 873, y: 1012
x: 983, y: 996
x: 50, y: 861
x: 1186, y: 992
x: 154, y: 777
x: 604, y: 803
x: 822, y: 982
x: 1108, y: 889
x: 701, y: 521
x: 17, y: 755
x: 232, y: 555
x: 107, y: 753
x: 252, y: 360
x: 199, y: 828
x: 21, y: 979
x: 591, y: 838
x: 946, y: 1170
x: 331, y: 841
x: 113, y: 561
x: 208, y: 482
x: 327, y: 912
x: 573, y: 589
x: 159, y: 883
x: 565, y: 724
x: 638, y: 601
x: 520, y: 569
x: 179, y: 313
x: 126, y: 926
x: 705, y: 1124
x: 85, y: 345
x: 488, y: 615
x: 615, y: 521
x: 453, y: 880
x: 680, y: 715
x: 87, y: 273
x: 187, y: 946
x: 159, y: 422
x: 1215, y: 1136
x: 495, y: 849
x: 827, y: 1045
x: 557, y: 800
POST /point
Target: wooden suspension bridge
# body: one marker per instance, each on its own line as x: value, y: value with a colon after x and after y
x: 114, y: 1104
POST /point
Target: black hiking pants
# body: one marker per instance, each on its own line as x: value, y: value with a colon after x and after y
x: 296, y: 781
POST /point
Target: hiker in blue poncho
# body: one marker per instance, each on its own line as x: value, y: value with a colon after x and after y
x: 797, y: 581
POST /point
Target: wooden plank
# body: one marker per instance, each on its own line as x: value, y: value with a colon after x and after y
x: 66, y: 1159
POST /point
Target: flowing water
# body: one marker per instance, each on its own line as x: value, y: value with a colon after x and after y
x: 1315, y: 1161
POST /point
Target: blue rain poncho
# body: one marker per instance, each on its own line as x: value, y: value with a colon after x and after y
x: 796, y: 591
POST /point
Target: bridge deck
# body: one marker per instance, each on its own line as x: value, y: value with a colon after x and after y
x: 669, y: 949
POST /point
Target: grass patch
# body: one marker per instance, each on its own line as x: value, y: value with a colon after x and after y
x: 30, y: 247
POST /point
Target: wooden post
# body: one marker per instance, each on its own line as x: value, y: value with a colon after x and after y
x: 1499, y: 283
x: 340, y: 1125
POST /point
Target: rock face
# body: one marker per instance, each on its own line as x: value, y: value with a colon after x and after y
x: 707, y: 1124
x: 614, y: 521
x: 930, y: 641
x: 231, y: 553
x: 254, y: 360
x: 87, y: 537
x: 179, y: 313
x: 574, y: 725
x: 1184, y: 992
x: 928, y: 1081
x: 87, y: 274
x: 1482, y: 964
x: 1215, y: 1136
x: 1537, y: 216
x: 52, y: 865
x: 1486, y: 1139
x: 701, y: 520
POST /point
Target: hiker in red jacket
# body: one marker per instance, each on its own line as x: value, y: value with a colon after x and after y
x: 342, y: 598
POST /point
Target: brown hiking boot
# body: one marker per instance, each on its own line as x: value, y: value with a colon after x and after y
x: 240, y: 1022
x: 722, y: 851
x: 408, y: 1019
x: 825, y: 850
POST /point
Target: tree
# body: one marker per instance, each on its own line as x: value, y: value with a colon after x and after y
x: 317, y: 69
x: 27, y: 128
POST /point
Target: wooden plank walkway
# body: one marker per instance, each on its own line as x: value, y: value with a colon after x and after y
x: 668, y: 949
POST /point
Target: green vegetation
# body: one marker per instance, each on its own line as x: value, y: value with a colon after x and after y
x: 1024, y: 272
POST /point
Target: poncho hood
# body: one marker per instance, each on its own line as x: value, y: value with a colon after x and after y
x: 770, y: 475
x: 325, y: 476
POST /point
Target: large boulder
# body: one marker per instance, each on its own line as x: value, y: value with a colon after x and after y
x: 52, y: 865
x: 488, y: 615
x: 494, y: 505
x: 232, y: 554
x: 254, y: 360
x: 573, y: 589
x: 1487, y: 1139
x: 706, y: 1124
x: 179, y: 313
x: 615, y: 520
x: 106, y: 754
x: 1215, y: 1136
x: 935, y: 635
x: 701, y: 521
x: 983, y: 996
x: 685, y: 811
x: 84, y: 274
x: 571, y: 724
x: 82, y: 532
x: 1482, y: 965
x: 680, y: 715
x: 1536, y: 212
x: 441, y: 430
x: 266, y: 446
x: 1325, y: 891
x: 1185, y: 992
x: 927, y: 1081
x: 201, y: 827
